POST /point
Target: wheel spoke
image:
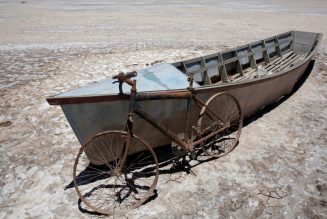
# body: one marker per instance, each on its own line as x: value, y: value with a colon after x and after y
x: 227, y: 108
x: 103, y: 158
x: 106, y: 191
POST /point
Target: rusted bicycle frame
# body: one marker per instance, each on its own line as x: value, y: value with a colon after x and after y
x: 187, y: 144
x: 215, y: 134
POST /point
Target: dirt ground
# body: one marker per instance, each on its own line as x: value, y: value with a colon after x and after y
x: 279, y: 169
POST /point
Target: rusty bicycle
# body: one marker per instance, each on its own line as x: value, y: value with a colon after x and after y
x: 117, y: 170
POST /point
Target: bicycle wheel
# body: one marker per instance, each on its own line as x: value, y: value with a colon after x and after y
x: 225, y: 112
x: 97, y: 179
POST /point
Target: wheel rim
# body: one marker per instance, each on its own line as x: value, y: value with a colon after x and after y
x: 104, y: 189
x: 228, y: 109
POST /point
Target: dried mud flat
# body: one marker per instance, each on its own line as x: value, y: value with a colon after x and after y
x: 279, y: 169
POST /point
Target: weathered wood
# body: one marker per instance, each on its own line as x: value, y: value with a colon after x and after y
x: 262, y: 72
x: 240, y: 78
x: 274, y: 62
x: 234, y: 76
x: 287, y: 63
x: 247, y: 75
x: 295, y: 62
x: 251, y: 71
x: 280, y: 61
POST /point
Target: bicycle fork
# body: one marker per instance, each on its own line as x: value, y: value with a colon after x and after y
x: 129, y: 130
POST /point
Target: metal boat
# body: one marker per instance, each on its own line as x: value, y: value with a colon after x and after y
x: 257, y: 74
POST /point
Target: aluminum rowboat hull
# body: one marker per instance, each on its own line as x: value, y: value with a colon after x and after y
x: 91, y: 114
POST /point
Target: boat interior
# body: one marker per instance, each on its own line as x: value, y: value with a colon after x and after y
x: 255, y: 60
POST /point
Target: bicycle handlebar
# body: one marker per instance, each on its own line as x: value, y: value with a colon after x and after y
x: 122, y: 77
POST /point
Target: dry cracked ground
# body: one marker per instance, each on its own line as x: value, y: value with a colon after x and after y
x: 279, y: 168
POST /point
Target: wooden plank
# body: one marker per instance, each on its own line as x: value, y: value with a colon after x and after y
x: 281, y: 61
x: 249, y: 75
x: 262, y: 72
x: 301, y: 58
x: 239, y: 79
x: 274, y: 63
x: 287, y: 63
x: 251, y: 72
x: 237, y: 75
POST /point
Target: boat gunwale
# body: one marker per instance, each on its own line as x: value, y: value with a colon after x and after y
x: 53, y: 100
x: 208, y: 56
